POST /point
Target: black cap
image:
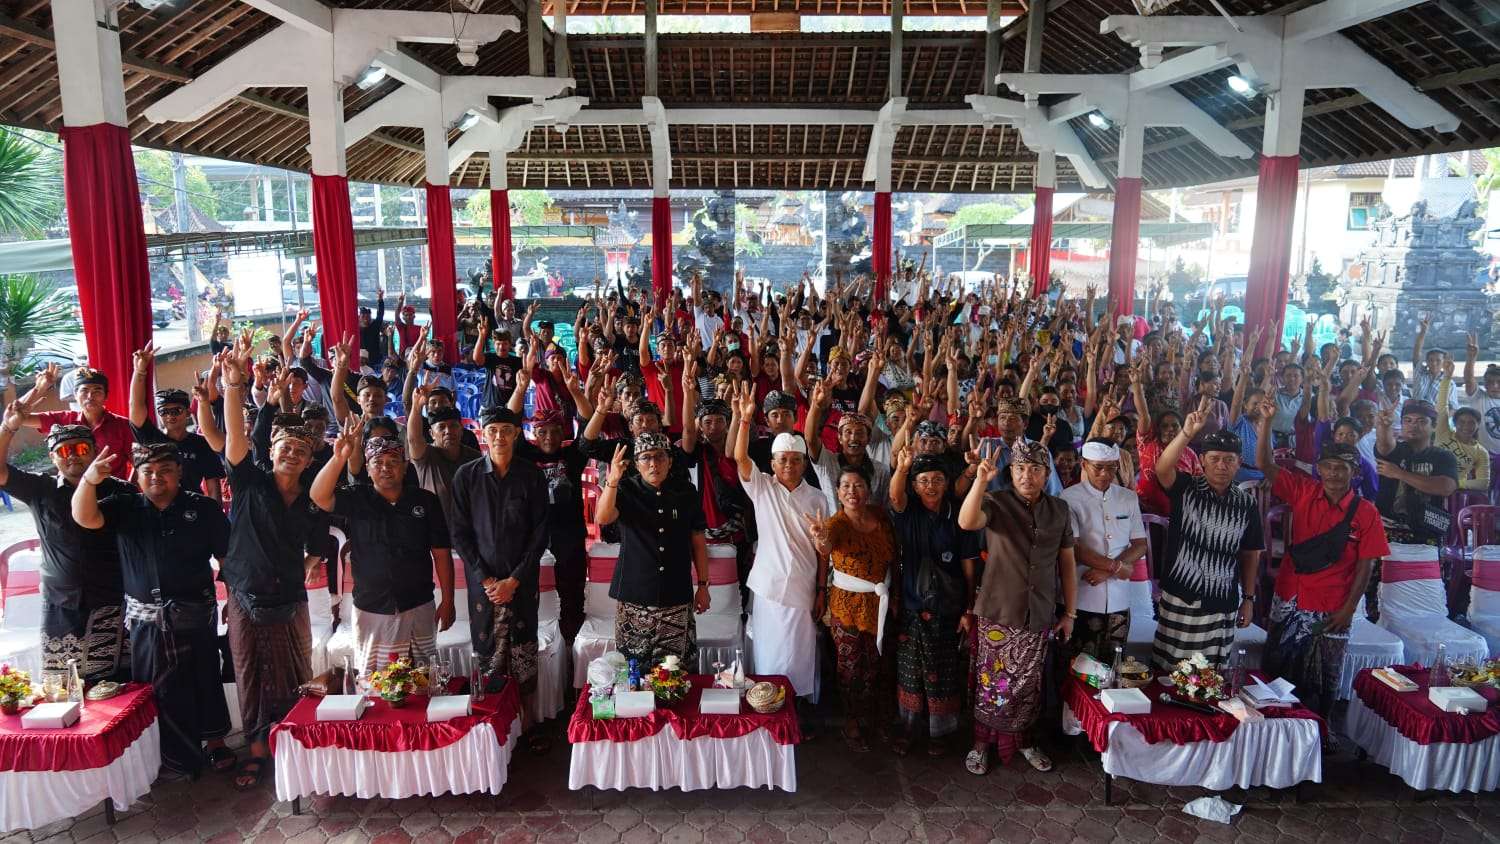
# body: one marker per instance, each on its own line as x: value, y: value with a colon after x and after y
x: 143, y: 453
x: 1340, y: 451
x: 443, y: 414
x: 369, y: 381
x: 1222, y: 441
x: 172, y: 396
x: 499, y: 415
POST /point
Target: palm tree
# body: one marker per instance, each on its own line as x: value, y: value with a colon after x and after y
x: 29, y: 311
x: 30, y: 185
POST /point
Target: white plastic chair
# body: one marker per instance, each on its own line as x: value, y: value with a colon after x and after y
x: 1414, y: 606
x: 21, y: 606
x: 1370, y: 646
x: 719, y: 631
x: 597, y: 635
x: 1142, y: 613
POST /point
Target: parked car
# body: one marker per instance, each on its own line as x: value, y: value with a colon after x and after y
x: 161, y: 313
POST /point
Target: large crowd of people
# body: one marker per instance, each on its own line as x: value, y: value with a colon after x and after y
x: 941, y: 489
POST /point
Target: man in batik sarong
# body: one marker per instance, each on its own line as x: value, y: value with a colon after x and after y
x: 938, y: 565
x: 662, y: 574
x: 1030, y: 555
x: 1336, y: 537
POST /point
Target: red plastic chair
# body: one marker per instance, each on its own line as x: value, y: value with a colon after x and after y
x: 1475, y: 525
x: 1278, y: 529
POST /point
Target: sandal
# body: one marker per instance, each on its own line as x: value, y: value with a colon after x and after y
x: 1037, y: 758
x: 856, y: 741
x: 221, y: 759
x: 977, y: 762
x: 250, y: 773
x: 937, y: 747
x: 539, y: 743
x: 901, y: 745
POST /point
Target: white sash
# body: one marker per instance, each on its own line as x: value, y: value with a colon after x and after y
x: 850, y: 583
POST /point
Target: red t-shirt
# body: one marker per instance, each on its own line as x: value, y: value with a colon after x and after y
x: 1325, y: 591
x: 659, y: 398
x: 113, y: 430
x: 1147, y: 487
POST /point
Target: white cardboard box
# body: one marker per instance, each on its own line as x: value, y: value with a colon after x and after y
x: 51, y: 716
x: 634, y: 704
x: 444, y: 707
x: 720, y: 702
x: 1125, y: 701
x: 342, y: 707
x: 1454, y: 698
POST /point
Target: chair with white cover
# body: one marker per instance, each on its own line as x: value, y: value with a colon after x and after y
x: 597, y: 635
x: 1414, y: 606
x: 21, y: 606
x: 1370, y: 646
x: 1484, y: 596
x: 719, y: 631
x: 1143, y: 589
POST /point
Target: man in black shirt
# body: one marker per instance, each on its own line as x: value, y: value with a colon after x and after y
x: 370, y: 330
x: 1416, y: 479
x: 662, y: 553
x: 500, y: 529
x: 81, y: 615
x: 398, y: 535
x: 500, y: 366
x: 166, y: 536
x: 202, y: 471
x: 562, y: 465
x: 273, y: 542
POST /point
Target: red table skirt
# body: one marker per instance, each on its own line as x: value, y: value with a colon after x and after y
x: 1417, y: 718
x: 391, y: 730
x: 102, y: 733
x: 1164, y: 723
x: 687, y: 721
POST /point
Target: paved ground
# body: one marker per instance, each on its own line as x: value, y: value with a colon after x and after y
x: 843, y: 797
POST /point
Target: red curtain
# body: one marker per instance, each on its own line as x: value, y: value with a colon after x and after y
x: 1041, y: 242
x: 109, y: 250
x: 442, y: 270
x: 500, y: 258
x: 661, y: 249
x: 1271, y: 252
x: 1124, y: 243
x: 333, y: 248
x: 880, y: 251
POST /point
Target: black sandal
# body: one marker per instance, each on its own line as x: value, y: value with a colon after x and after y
x: 221, y: 759
x: 254, y: 769
x: 539, y: 743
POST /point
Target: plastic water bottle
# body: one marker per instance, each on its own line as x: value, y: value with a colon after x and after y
x: 75, y: 683
x: 349, y: 686
x: 476, y: 678
x: 1235, y: 676
x: 1438, y: 674
x: 1115, y: 668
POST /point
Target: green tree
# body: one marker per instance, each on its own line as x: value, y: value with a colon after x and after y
x: 29, y: 311
x: 745, y: 242
x: 153, y: 170
x: 30, y: 184
x: 989, y: 212
x: 1488, y: 182
x: 527, y: 207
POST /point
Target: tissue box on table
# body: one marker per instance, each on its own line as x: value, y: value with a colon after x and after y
x: 1454, y: 698
x: 444, y: 707
x: 1125, y: 701
x: 342, y: 707
x: 634, y: 704
x: 51, y: 716
x: 720, y: 702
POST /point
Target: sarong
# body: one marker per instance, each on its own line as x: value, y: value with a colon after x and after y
x: 270, y: 662
x: 512, y: 656
x: 380, y: 638
x: 649, y: 634
x: 859, y: 672
x: 1008, y: 684
x: 1097, y: 634
x: 1184, y: 628
x: 1299, y: 650
x: 928, y: 677
x: 94, y: 636
x: 183, y: 669
x: 786, y: 642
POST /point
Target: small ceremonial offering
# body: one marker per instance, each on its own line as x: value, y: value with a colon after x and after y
x: 1134, y: 674
x: 104, y: 690
x: 1197, y: 681
x: 765, y: 698
x: 1469, y: 675
x: 15, y: 689
x: 51, y: 716
x: 398, y: 680
x: 668, y: 681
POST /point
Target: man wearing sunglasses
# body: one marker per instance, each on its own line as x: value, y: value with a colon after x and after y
x: 81, y: 617
x: 202, y: 470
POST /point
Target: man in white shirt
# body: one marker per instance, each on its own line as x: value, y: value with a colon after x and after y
x: 1111, y: 537
x: 787, y: 576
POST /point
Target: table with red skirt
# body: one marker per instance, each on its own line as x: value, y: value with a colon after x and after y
x: 112, y: 755
x: 679, y: 746
x: 1174, y: 745
x: 1418, y: 742
x: 395, y: 752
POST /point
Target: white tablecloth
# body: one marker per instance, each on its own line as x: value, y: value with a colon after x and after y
x: 476, y: 762
x: 30, y: 799
x: 1440, y: 765
x: 1276, y: 752
x: 666, y: 761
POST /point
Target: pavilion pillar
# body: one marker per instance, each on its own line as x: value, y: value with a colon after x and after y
x: 1125, y: 226
x: 99, y: 186
x: 332, y: 221
x: 500, y: 249
x: 880, y: 249
x: 442, y: 271
x: 1040, y: 265
x: 1275, y: 209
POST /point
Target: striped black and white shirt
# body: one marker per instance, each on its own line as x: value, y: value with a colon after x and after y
x: 1207, y: 533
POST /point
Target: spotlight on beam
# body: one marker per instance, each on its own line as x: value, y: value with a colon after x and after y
x: 1098, y: 120
x: 1241, y: 86
x: 372, y: 76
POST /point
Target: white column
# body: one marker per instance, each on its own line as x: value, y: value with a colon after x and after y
x: 88, y: 62
x: 435, y: 141
x: 499, y: 171
x: 268, y: 199
x: 1046, y: 168
x: 1283, y: 129
x: 325, y: 123
x: 1132, y: 145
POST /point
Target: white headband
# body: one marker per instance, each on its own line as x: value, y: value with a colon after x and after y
x: 1101, y: 453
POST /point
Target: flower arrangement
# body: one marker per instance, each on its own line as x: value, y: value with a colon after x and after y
x: 1194, y: 679
x: 15, y: 687
x: 668, y: 681
x: 397, y: 680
